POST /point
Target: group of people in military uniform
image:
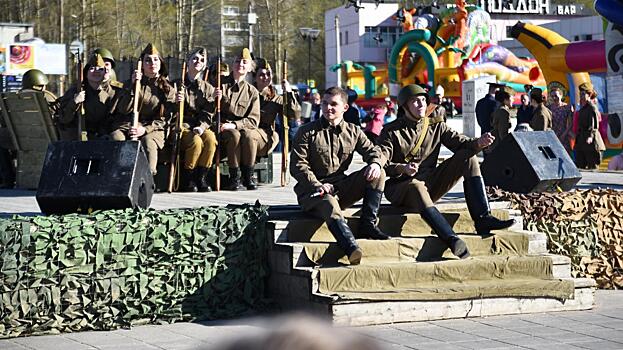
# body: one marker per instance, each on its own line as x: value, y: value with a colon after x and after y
x: 101, y: 108
x: 406, y: 155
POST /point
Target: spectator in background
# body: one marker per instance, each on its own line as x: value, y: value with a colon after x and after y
x: 616, y: 163
x: 562, y: 118
x: 501, y: 118
x: 440, y: 111
x: 315, y: 108
x: 375, y: 123
x: 352, y: 113
x: 541, y: 116
x: 390, y: 116
x: 485, y: 106
x: 524, y: 112
x: 588, y: 144
x: 448, y: 105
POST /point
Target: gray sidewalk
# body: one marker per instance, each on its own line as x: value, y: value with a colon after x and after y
x: 600, y: 328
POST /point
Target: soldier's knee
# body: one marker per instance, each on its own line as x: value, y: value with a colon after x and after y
x: 379, y: 183
x: 473, y: 167
x: 208, y: 137
x: 117, y: 135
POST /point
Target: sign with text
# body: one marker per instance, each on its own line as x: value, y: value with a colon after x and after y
x: 535, y: 7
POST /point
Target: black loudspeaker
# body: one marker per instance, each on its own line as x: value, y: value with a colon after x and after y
x: 84, y: 176
x: 530, y: 161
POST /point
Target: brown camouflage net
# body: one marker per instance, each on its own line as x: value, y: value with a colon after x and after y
x: 586, y: 225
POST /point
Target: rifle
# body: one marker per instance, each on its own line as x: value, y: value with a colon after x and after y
x: 177, y: 137
x: 137, y: 89
x: 284, y: 115
x: 217, y: 184
x: 82, y: 135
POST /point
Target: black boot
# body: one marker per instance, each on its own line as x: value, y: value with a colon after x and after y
x: 478, y: 206
x: 188, y: 180
x: 234, y: 180
x: 201, y: 174
x: 247, y: 177
x: 345, y: 239
x: 369, y: 213
x: 442, y: 228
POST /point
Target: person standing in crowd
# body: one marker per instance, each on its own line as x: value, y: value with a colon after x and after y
x: 524, y: 113
x: 101, y: 101
x: 541, y: 115
x: 485, y: 107
x: 501, y: 118
x: 411, y: 147
x: 589, y: 144
x: 198, y: 141
x: 352, y: 113
x: 240, y: 115
x: 315, y: 108
x: 440, y: 111
x: 376, y: 121
x: 562, y: 118
x: 263, y: 140
x: 156, y: 104
x: 321, y: 152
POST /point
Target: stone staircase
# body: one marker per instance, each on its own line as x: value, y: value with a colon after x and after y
x: 414, y: 277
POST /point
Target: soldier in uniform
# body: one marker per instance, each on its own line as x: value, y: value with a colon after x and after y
x: 411, y: 145
x: 100, y: 99
x: 262, y: 141
x: 240, y: 113
x: 501, y: 118
x: 321, y: 152
x: 156, y: 102
x: 198, y: 141
x: 109, y: 62
x: 541, y: 115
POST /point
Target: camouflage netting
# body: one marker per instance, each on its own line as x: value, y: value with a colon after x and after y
x: 585, y: 225
x: 120, y: 268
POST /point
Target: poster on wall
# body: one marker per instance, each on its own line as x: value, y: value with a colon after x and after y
x: 2, y: 60
x: 21, y: 58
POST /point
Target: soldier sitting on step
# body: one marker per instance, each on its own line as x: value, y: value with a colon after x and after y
x: 99, y: 99
x: 321, y: 152
x: 411, y: 145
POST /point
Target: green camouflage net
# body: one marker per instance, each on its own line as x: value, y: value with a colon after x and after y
x: 121, y: 268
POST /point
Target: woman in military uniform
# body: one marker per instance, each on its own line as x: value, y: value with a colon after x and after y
x: 198, y: 142
x: 411, y: 146
x: 156, y: 102
x: 99, y: 99
x: 501, y: 118
x: 588, y: 143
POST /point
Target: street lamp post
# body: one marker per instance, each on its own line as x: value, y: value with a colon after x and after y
x: 309, y: 34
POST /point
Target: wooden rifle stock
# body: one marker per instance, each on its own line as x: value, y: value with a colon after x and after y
x: 284, y: 122
x: 137, y: 89
x: 217, y: 160
x: 177, y: 137
x: 80, y: 77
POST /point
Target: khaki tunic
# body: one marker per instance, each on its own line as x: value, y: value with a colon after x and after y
x: 541, y: 118
x: 431, y: 182
x: 101, y: 107
x: 500, y: 125
x: 321, y: 154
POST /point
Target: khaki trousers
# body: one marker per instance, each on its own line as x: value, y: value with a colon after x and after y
x: 347, y: 192
x: 198, y: 150
x: 254, y: 144
x: 231, y: 143
x: 418, y: 194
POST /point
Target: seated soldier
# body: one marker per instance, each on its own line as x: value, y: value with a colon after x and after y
x: 198, y: 142
x: 156, y: 103
x: 263, y: 140
x: 99, y: 100
x: 411, y: 145
x: 240, y: 113
x: 109, y: 62
x: 321, y: 152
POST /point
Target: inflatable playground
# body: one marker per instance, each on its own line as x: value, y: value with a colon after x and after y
x: 447, y: 48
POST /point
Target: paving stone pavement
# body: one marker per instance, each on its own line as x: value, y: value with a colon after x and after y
x: 599, y: 328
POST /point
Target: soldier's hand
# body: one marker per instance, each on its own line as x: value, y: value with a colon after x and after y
x: 136, y: 75
x: 373, y: 172
x: 217, y: 93
x: 198, y: 130
x: 79, y: 97
x: 181, y: 95
x: 589, y: 140
x: 228, y: 126
x: 286, y: 86
x: 327, y: 189
x: 485, y: 140
x: 138, y: 131
x: 410, y: 169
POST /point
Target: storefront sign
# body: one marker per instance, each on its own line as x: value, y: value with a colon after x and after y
x: 537, y: 7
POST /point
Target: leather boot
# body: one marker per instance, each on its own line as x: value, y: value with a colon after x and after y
x: 247, y: 177
x: 369, y: 213
x: 345, y: 240
x: 444, y: 231
x: 234, y: 180
x: 478, y: 206
x: 201, y: 179
x: 188, y: 180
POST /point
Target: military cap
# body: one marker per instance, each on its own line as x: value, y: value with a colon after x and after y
x: 409, y: 91
x: 150, y: 49
x: 96, y: 60
x: 244, y: 54
x: 198, y: 50
x: 224, y: 67
x: 106, y: 55
x: 34, y: 77
x: 262, y: 63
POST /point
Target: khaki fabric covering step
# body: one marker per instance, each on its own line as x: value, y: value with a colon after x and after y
x: 480, y: 277
x: 429, y: 248
x: 406, y: 225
